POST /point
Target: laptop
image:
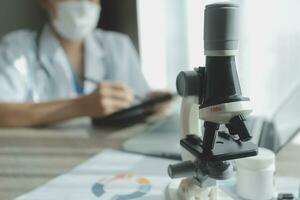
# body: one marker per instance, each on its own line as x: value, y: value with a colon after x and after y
x: 162, y: 138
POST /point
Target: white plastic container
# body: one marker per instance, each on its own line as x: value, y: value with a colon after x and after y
x: 255, y: 176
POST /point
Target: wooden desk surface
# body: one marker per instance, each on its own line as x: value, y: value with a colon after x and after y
x: 31, y: 157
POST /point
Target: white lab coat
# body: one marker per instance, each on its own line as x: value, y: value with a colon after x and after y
x: 25, y: 78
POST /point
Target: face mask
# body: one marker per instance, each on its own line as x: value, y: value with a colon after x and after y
x: 76, y: 19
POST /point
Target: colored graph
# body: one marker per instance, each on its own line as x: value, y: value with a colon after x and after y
x: 102, y: 188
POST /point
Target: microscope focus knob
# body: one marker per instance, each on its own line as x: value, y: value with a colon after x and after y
x: 188, y: 83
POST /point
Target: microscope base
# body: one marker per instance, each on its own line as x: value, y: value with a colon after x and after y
x: 172, y: 192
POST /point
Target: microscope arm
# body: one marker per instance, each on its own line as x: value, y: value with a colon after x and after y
x: 190, y: 123
x: 186, y: 189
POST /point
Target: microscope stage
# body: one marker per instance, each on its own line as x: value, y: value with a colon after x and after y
x: 225, y: 148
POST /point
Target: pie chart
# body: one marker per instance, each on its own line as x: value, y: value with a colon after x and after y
x: 112, y: 188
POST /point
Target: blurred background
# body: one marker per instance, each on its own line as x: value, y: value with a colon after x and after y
x: 168, y: 36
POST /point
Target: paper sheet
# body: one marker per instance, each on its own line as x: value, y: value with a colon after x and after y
x: 111, y: 175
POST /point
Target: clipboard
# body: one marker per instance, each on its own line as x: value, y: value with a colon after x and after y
x: 135, y: 114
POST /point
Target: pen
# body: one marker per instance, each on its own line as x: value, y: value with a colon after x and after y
x: 97, y: 83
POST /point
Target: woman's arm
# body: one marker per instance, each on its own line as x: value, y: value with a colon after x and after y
x: 108, y: 98
x: 35, y: 114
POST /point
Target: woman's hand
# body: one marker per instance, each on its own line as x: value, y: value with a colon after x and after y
x: 109, y: 97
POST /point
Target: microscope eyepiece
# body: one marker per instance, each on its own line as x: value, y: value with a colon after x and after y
x: 221, y: 29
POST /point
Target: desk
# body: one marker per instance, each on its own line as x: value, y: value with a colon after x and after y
x: 31, y: 157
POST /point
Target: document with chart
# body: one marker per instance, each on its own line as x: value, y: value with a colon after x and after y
x: 111, y: 175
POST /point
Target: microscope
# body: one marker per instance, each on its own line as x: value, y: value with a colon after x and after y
x: 213, y: 95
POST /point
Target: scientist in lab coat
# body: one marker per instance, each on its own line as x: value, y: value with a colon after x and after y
x: 52, y: 75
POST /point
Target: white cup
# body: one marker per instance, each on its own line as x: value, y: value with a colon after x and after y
x: 255, y: 176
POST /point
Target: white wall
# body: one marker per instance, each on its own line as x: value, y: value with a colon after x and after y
x: 152, y: 36
x: 269, y: 58
x: 163, y: 40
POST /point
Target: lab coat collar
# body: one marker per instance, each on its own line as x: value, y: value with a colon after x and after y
x: 54, y: 60
x: 48, y: 47
x: 53, y: 55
